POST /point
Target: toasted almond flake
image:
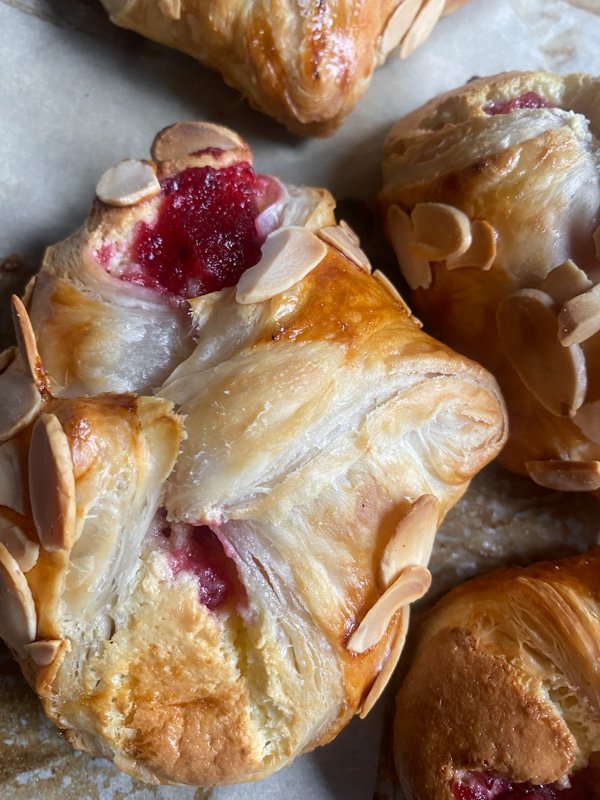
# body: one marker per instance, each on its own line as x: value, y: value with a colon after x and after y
x: 415, y: 269
x: 566, y: 476
x: 350, y: 232
x: 185, y: 138
x: 596, y: 238
x: 389, y: 665
x: 336, y: 237
x: 587, y: 420
x: 421, y: 28
x: 14, y: 495
x: 170, y: 8
x: 412, y: 541
x: 440, y: 231
x: 288, y: 255
x: 52, y: 484
x: 18, y: 620
x: 389, y: 287
x: 128, y: 183
x: 27, y: 344
x: 43, y: 652
x: 398, y: 24
x: 22, y: 549
x: 565, y: 281
x: 7, y: 357
x: 482, y: 252
x: 20, y: 403
x: 28, y: 293
x: 410, y: 585
x: 579, y: 318
x: 555, y: 375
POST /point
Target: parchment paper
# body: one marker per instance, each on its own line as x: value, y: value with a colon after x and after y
x: 76, y: 96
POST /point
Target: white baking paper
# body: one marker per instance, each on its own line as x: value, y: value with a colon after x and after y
x: 78, y: 95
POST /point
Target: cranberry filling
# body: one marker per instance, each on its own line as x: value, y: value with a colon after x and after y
x: 205, y: 235
x: 486, y: 786
x: 202, y: 555
x: 527, y: 100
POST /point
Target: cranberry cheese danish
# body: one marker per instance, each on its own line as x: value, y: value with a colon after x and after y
x: 503, y: 697
x: 304, y: 63
x: 492, y: 203
x: 204, y: 583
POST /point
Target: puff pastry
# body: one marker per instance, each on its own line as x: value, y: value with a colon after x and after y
x: 207, y: 582
x: 304, y: 63
x: 503, y: 697
x: 492, y: 203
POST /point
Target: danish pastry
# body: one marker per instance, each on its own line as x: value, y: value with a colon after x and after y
x: 204, y: 583
x: 492, y: 203
x: 503, y: 697
x: 306, y: 64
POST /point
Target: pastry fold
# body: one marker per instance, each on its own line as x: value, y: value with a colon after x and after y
x: 217, y: 577
x: 503, y: 693
x: 491, y: 199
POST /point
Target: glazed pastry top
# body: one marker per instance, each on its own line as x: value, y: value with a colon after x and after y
x: 305, y: 63
x: 505, y: 683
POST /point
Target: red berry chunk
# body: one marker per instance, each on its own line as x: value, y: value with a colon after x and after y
x: 205, y: 236
x: 527, y: 100
x: 202, y: 555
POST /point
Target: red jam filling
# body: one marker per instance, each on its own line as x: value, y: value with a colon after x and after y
x: 527, y: 100
x: 205, y: 235
x: 486, y: 786
x: 202, y: 555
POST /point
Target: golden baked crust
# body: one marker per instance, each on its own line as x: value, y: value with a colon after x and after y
x: 520, y: 299
x: 504, y: 680
x: 205, y: 595
x: 306, y: 64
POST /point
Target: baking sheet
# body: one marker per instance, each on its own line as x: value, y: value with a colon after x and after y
x: 77, y: 95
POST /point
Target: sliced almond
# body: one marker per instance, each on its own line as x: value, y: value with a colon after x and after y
x: 288, y: 255
x: 14, y: 495
x: 52, y: 484
x: 587, y: 420
x: 596, y: 238
x: 18, y: 620
x: 335, y: 236
x: 7, y: 357
x: 398, y: 24
x: 382, y: 679
x: 421, y: 28
x: 15, y: 539
x: 350, y: 232
x: 415, y: 269
x: 170, y: 8
x: 565, y: 281
x: 482, y: 252
x: 28, y: 293
x: 555, y: 375
x: 186, y: 138
x: 566, y: 476
x: 128, y: 183
x: 579, y: 318
x: 389, y: 287
x: 43, y: 652
x: 27, y: 344
x: 412, y: 541
x: 440, y: 231
x: 20, y: 403
x: 410, y: 585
